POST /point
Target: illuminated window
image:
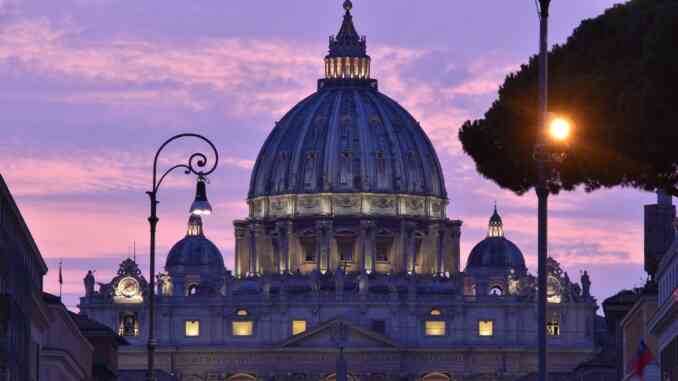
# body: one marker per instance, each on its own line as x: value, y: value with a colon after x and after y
x: 192, y: 328
x: 435, y: 328
x: 553, y: 328
x: 298, y: 326
x: 436, y: 312
x: 129, y: 325
x: 242, y: 312
x: 243, y: 328
x: 485, y: 328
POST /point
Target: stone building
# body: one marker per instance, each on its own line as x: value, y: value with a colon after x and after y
x: 23, y: 313
x: 347, y: 255
x: 664, y: 324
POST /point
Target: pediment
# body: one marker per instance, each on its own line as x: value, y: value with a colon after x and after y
x: 325, y: 336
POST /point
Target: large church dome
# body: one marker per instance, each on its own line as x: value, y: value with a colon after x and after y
x: 347, y: 138
x: 496, y: 252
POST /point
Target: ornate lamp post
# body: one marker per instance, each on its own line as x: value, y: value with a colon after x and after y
x: 546, y: 154
x: 196, y: 165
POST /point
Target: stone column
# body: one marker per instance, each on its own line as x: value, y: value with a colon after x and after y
x: 362, y: 261
x: 456, y: 251
x: 239, y: 235
x: 324, y: 237
x: 409, y: 242
x: 253, y: 249
x: 371, y: 246
x: 438, y: 239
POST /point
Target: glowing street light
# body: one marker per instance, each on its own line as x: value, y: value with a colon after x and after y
x: 559, y: 129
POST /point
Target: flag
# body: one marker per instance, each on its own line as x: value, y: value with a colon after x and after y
x: 642, y: 359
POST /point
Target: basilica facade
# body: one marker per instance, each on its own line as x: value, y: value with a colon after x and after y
x: 347, y: 258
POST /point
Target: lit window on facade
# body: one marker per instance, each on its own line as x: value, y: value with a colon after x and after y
x: 553, y: 328
x: 298, y: 326
x: 128, y: 326
x: 192, y: 328
x: 436, y: 312
x: 435, y: 328
x: 241, y: 312
x: 243, y: 328
x: 485, y: 328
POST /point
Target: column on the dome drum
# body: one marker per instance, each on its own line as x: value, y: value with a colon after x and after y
x: 372, y: 246
x: 282, y: 244
x: 363, y: 260
x: 251, y: 233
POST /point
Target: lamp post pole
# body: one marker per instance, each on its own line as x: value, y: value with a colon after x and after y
x: 541, y: 188
x: 196, y: 165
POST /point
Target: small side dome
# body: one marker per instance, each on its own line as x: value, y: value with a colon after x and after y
x: 195, y: 249
x: 496, y: 252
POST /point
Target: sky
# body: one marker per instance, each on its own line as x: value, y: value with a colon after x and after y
x: 91, y: 88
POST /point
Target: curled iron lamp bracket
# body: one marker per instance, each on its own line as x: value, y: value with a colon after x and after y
x: 196, y: 164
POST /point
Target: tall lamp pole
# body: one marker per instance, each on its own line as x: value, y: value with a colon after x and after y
x: 196, y: 165
x: 542, y: 191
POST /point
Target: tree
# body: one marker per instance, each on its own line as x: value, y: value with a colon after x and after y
x: 616, y: 77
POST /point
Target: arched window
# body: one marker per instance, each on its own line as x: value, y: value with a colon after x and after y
x: 241, y: 312
x: 192, y: 290
x: 496, y: 291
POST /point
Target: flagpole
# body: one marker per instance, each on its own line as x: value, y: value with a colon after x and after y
x: 61, y: 279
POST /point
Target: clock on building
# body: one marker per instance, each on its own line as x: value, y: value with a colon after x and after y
x: 128, y: 287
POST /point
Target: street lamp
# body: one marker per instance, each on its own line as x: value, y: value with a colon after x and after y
x: 546, y: 153
x: 196, y: 165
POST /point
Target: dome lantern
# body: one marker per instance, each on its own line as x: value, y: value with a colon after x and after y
x: 347, y: 58
x: 496, y: 226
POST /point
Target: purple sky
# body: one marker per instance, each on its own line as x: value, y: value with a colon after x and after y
x: 90, y: 88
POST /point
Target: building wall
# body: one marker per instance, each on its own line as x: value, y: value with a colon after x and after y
x: 22, y: 312
x: 635, y: 328
x: 66, y: 353
x: 403, y: 306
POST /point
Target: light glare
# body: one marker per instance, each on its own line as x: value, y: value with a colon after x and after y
x: 559, y: 129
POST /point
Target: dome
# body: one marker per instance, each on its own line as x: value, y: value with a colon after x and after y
x: 195, y: 249
x: 495, y: 251
x: 347, y: 137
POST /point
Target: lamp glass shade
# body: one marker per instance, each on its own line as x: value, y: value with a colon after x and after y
x: 200, y: 206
